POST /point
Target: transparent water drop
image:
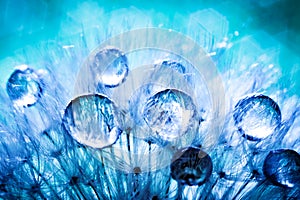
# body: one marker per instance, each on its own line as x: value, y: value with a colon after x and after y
x: 93, y: 120
x: 109, y: 67
x: 173, y: 65
x: 257, y: 117
x: 191, y: 166
x: 170, y: 114
x: 24, y: 87
x: 282, y: 167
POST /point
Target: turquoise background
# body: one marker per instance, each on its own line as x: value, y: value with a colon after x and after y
x: 31, y: 21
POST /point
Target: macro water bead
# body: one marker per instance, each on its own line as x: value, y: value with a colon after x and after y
x: 109, y: 67
x: 170, y: 114
x: 174, y: 65
x: 24, y: 87
x: 93, y: 120
x: 282, y: 167
x: 257, y: 117
x: 191, y: 166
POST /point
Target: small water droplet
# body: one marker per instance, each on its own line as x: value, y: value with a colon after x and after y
x: 191, y: 166
x: 93, y: 120
x: 257, y: 117
x: 282, y: 167
x: 24, y: 87
x: 109, y: 67
x: 169, y: 114
x: 174, y: 65
x: 137, y: 170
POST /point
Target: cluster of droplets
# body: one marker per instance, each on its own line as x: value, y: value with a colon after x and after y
x: 93, y: 152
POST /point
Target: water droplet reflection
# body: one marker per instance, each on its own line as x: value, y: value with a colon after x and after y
x: 174, y: 65
x: 109, y: 67
x: 282, y: 167
x: 191, y: 166
x: 257, y: 117
x: 170, y: 114
x: 93, y: 120
x: 24, y: 87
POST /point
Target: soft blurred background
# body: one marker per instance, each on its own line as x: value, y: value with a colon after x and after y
x: 32, y: 21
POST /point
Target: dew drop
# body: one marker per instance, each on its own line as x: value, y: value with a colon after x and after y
x: 174, y: 65
x: 257, y: 117
x: 282, y: 167
x: 109, y: 67
x: 93, y: 120
x: 170, y: 114
x: 191, y: 166
x: 24, y: 87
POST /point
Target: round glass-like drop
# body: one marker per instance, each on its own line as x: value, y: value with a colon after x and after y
x: 282, y: 167
x: 174, y: 65
x: 93, y: 120
x: 170, y: 114
x: 24, y: 87
x: 110, y: 67
x: 256, y: 117
x: 191, y: 166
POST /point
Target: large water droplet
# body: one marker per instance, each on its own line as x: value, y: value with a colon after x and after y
x: 191, y: 166
x: 24, y: 87
x: 282, y: 167
x: 170, y: 114
x: 93, y: 120
x: 109, y: 67
x: 257, y: 117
